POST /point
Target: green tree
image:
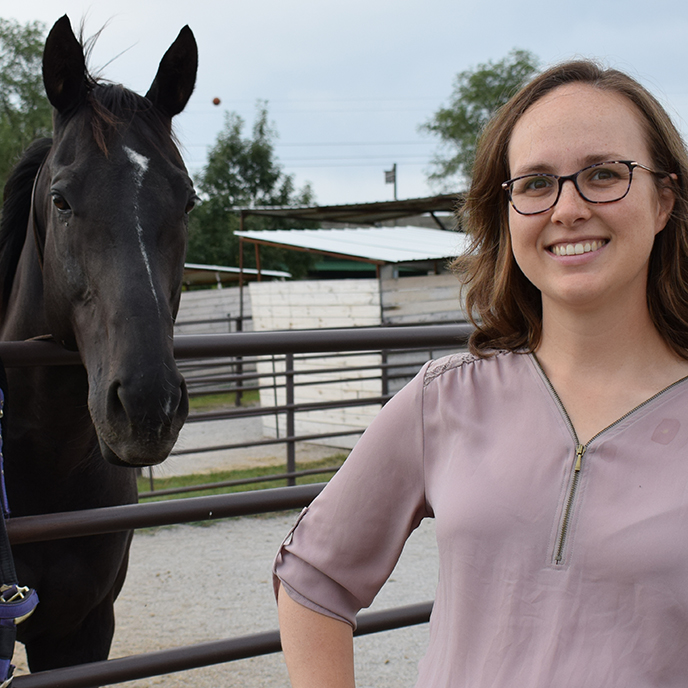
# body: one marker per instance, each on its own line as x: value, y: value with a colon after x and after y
x: 478, y: 94
x: 242, y: 172
x: 25, y: 113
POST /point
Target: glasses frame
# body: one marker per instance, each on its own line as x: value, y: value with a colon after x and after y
x: 631, y: 164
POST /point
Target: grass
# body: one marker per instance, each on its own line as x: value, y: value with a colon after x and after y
x: 223, y: 476
x: 212, y: 402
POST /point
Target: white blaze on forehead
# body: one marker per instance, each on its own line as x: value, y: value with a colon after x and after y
x: 140, y: 163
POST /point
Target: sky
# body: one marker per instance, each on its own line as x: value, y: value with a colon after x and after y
x: 347, y: 84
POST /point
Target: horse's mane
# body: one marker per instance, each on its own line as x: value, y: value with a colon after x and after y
x: 15, y: 212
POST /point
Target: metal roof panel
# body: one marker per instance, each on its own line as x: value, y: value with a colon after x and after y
x: 375, y: 244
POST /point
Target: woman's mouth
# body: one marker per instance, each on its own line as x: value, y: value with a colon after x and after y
x: 577, y: 249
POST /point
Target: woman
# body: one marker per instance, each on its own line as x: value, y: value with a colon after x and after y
x: 553, y: 457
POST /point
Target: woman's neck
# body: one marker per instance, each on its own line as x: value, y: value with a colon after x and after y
x: 603, y: 365
x: 608, y: 338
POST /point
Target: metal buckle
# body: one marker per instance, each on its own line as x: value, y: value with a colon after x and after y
x: 20, y: 592
x: 12, y: 594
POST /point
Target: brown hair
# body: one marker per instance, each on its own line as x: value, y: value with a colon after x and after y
x: 501, y: 302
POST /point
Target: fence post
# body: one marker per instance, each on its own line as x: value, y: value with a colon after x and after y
x: 385, y: 372
x: 291, y: 431
x: 239, y: 368
x: 274, y: 396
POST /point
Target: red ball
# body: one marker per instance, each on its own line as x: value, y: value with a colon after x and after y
x: 216, y: 101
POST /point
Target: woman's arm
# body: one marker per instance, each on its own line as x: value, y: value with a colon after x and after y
x: 318, y: 649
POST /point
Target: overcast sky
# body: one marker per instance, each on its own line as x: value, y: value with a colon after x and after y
x: 348, y: 83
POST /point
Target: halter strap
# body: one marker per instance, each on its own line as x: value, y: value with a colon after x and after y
x: 17, y: 602
x: 40, y: 247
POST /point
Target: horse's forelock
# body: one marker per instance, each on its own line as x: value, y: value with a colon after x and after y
x: 113, y: 106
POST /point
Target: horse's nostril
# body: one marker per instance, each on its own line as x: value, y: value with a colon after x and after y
x: 183, y: 405
x: 146, y: 409
x: 116, y: 407
x: 174, y: 404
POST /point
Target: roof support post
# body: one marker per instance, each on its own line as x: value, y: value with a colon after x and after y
x: 437, y: 220
x: 257, y: 249
x: 241, y: 270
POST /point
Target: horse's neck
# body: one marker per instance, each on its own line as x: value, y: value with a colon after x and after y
x: 47, y: 404
x: 61, y: 389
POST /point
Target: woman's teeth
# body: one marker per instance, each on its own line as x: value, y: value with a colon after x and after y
x: 576, y: 249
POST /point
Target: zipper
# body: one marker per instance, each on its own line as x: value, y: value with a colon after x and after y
x: 580, y: 450
x: 566, y: 518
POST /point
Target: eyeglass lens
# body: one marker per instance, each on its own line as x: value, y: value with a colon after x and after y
x: 603, y: 183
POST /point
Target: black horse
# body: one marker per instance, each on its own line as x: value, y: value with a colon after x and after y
x: 92, y: 248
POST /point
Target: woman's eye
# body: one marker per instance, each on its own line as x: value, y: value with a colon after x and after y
x: 535, y: 185
x: 603, y: 175
x: 59, y: 202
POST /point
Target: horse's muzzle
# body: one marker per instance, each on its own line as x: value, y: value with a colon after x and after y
x: 141, y: 425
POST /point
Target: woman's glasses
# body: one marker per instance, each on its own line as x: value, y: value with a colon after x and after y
x: 603, y: 182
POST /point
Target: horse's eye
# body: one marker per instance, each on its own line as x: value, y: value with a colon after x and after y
x: 59, y: 202
x: 190, y: 205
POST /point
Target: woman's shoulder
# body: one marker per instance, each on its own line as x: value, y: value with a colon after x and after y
x: 481, y: 364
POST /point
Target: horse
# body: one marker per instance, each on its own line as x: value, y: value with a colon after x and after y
x: 92, y: 247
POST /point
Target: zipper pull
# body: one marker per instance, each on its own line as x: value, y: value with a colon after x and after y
x: 580, y: 450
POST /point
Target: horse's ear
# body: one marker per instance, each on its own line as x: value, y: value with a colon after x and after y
x: 64, y: 67
x: 174, y: 83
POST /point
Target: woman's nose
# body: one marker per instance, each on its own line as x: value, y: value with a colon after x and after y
x: 571, y: 206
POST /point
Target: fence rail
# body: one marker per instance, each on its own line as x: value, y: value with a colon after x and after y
x: 34, y: 353
x: 112, y: 519
x: 204, y: 654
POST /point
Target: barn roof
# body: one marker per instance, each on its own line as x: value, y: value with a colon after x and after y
x: 378, y: 245
x: 365, y: 213
x: 197, y: 274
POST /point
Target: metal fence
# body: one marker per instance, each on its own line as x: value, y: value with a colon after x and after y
x: 112, y: 519
x: 288, y: 374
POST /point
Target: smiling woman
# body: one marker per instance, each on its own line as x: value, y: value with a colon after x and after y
x: 553, y: 455
x: 622, y: 225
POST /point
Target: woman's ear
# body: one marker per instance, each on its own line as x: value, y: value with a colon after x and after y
x: 667, y: 199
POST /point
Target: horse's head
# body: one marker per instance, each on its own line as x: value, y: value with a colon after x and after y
x: 110, y: 207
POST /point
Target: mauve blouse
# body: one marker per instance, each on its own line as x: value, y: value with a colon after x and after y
x: 560, y: 564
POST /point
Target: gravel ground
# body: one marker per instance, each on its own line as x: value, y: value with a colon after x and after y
x: 191, y: 584
x: 227, y: 566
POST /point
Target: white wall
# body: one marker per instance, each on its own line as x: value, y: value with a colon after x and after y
x: 319, y: 305
x: 211, y: 304
x: 424, y: 299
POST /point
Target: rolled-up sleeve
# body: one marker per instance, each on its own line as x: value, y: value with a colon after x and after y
x: 344, y: 546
